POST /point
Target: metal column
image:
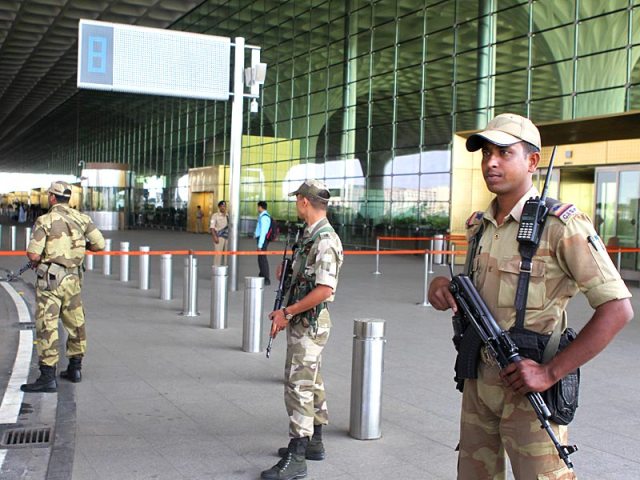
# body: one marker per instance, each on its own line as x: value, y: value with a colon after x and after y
x: 219, y: 296
x: 144, y: 269
x: 252, y: 318
x: 190, y: 289
x: 14, y: 230
x: 27, y: 237
x: 124, y: 262
x: 366, y: 378
x: 106, y: 266
x: 88, y: 262
x: 166, y: 277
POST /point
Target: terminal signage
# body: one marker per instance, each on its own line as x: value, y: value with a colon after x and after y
x: 128, y: 58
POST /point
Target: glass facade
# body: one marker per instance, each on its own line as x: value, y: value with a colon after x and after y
x: 366, y: 95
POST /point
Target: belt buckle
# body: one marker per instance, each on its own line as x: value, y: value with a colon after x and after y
x: 523, y: 269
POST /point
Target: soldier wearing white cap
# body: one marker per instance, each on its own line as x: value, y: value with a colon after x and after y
x: 497, y: 418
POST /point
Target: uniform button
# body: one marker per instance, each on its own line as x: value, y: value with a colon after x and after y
x: 496, y: 236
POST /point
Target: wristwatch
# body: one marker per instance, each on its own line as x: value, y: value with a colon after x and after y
x: 287, y: 315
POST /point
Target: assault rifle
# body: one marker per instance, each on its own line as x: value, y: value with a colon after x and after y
x: 472, y: 311
x: 13, y: 276
x: 286, y: 272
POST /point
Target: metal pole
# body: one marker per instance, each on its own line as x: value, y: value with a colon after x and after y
x: 452, y: 248
x: 106, y: 267
x: 252, y: 317
x: 437, y: 245
x: 619, y: 260
x: 235, y: 153
x: 88, y: 262
x: 124, y: 262
x: 166, y: 285
x: 0, y: 236
x: 190, y: 291
x: 144, y: 269
x: 27, y: 237
x: 425, y: 299
x: 367, y: 365
x: 13, y: 237
x: 431, y: 256
x: 377, y: 272
x: 219, y: 296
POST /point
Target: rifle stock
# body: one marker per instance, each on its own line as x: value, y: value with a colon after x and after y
x: 474, y: 312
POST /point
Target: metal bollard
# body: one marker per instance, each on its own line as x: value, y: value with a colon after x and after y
x: 425, y: 299
x: 27, y: 237
x: 88, y: 262
x: 144, y: 269
x: 13, y: 237
x: 438, y: 243
x: 124, y: 262
x: 367, y: 366
x: 219, y: 296
x: 252, y: 317
x: 0, y: 237
x: 190, y: 290
x: 377, y: 272
x: 106, y: 266
x: 166, y: 285
x: 431, y: 256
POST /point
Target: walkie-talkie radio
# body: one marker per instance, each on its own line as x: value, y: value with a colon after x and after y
x: 535, y: 212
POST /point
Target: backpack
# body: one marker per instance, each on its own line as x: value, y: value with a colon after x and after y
x: 274, y: 230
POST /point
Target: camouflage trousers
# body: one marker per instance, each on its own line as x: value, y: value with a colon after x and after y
x: 495, y: 419
x: 304, y: 394
x: 64, y: 303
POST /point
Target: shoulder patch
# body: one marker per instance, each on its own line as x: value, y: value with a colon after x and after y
x: 474, y: 219
x: 564, y: 211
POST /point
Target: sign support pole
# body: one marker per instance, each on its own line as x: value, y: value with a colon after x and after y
x: 235, y: 157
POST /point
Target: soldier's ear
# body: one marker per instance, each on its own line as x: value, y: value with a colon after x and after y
x: 533, y: 159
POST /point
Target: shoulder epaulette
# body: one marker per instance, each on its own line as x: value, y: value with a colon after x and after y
x: 474, y: 219
x: 564, y: 211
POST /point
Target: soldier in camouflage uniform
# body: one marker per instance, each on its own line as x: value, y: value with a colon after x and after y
x: 57, y: 249
x: 496, y: 415
x: 316, y: 264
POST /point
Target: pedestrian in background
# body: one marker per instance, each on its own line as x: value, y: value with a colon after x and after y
x: 262, y: 228
x: 57, y: 248
x: 199, y: 218
x: 219, y: 228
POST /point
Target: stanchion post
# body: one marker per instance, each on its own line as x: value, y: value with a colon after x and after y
x: 166, y: 275
x: 88, y: 262
x: 14, y: 234
x: 219, y: 296
x: 124, y: 262
x: 144, y: 269
x: 367, y: 366
x: 619, y: 260
x: 252, y: 316
x: 377, y: 272
x: 106, y: 265
x: 190, y: 291
x: 27, y: 237
x: 0, y: 237
x: 425, y: 299
x: 431, y: 256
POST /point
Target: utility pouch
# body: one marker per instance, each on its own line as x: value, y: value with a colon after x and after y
x: 562, y: 398
x: 42, y: 274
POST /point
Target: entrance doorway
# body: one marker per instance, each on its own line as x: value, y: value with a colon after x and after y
x: 617, y: 214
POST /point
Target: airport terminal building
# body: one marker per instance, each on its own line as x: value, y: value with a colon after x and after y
x: 374, y: 97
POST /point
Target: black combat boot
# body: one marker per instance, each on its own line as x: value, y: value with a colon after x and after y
x: 315, y: 447
x: 46, y: 383
x: 73, y: 373
x: 292, y: 465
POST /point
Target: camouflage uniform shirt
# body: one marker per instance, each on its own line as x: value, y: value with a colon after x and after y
x: 60, y: 236
x: 565, y: 262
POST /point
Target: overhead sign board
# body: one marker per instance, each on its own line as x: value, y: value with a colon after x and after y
x: 128, y: 58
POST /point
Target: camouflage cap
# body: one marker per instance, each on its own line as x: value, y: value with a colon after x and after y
x: 62, y: 189
x: 506, y: 129
x: 313, y: 190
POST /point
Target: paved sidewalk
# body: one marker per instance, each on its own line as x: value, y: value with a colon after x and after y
x: 166, y: 397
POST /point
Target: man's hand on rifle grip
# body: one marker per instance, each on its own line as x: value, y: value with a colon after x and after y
x: 527, y: 376
x: 278, y: 322
x: 439, y: 295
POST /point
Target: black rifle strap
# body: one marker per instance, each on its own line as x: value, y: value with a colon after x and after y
x: 527, y: 252
x: 472, y: 251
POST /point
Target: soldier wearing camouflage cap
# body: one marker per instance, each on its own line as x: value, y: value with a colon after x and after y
x: 57, y: 249
x: 496, y: 415
x: 316, y: 264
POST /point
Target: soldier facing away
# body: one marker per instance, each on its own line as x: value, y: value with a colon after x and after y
x: 496, y: 415
x: 316, y: 264
x: 57, y: 249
